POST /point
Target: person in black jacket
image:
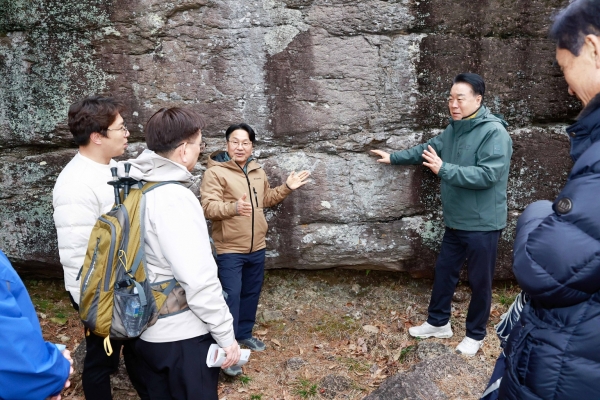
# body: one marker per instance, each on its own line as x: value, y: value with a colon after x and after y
x: 554, y: 351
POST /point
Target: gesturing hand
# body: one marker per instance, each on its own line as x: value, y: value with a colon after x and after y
x: 432, y: 161
x: 295, y: 181
x: 385, y: 157
x: 242, y: 207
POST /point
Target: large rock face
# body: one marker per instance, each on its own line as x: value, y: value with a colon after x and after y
x: 322, y: 81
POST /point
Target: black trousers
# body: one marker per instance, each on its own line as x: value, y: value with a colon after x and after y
x: 479, y: 249
x: 97, y: 366
x: 177, y: 370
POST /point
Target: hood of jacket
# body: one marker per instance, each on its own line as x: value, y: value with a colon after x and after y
x: 221, y: 159
x: 151, y: 167
x: 483, y: 115
x: 585, y: 131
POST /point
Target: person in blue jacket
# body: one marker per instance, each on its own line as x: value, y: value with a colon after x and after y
x: 30, y: 368
x: 554, y: 351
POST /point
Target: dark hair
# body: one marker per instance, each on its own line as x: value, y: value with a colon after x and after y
x: 92, y: 114
x: 574, y: 23
x: 475, y: 81
x: 168, y: 127
x: 244, y: 127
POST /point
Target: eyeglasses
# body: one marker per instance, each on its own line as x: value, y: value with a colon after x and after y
x: 235, y: 143
x: 202, y: 145
x: 123, y: 128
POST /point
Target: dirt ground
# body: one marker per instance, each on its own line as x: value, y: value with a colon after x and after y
x: 329, y: 334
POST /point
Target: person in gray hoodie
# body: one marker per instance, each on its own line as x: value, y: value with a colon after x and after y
x: 174, y: 350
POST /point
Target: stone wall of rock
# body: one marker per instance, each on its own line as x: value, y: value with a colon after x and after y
x: 322, y: 81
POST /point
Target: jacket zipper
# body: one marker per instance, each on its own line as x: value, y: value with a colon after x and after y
x: 255, y: 196
x: 92, y: 267
x: 250, y: 195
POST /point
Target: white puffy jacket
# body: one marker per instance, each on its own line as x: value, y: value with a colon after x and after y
x: 81, y: 194
x: 177, y: 245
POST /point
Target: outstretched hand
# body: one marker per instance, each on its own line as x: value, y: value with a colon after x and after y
x: 432, y: 161
x: 295, y: 181
x: 385, y: 157
x: 242, y: 207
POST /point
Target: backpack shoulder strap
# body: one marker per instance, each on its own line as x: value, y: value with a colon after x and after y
x: 149, y: 186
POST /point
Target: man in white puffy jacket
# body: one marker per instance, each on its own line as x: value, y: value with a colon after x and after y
x: 177, y: 246
x: 81, y: 194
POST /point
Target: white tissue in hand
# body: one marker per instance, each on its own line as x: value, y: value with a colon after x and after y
x: 216, y: 356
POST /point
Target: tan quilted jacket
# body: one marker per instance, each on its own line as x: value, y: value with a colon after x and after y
x: 223, y: 184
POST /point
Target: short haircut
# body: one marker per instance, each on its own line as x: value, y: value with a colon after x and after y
x: 475, y: 81
x: 168, y: 127
x: 242, y: 126
x: 573, y: 23
x: 92, y: 114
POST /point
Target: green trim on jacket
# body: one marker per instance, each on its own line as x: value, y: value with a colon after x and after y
x: 476, y: 159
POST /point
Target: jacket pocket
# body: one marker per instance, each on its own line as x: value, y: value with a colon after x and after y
x: 261, y: 225
x: 226, y: 230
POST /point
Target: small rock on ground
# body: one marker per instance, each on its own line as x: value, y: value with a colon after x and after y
x: 271, y: 316
x: 331, y: 385
x: 295, y: 363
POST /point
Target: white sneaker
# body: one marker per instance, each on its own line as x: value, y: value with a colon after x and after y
x: 469, y: 347
x: 425, y: 330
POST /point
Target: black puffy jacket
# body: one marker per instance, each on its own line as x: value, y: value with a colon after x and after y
x: 554, y: 352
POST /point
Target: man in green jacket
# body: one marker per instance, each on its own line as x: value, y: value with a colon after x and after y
x: 472, y: 158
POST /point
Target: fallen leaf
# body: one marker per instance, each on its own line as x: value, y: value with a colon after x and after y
x: 242, y: 390
x: 377, y: 373
x: 301, y: 351
x: 370, y: 329
x: 331, y: 366
x: 276, y: 342
x: 262, y: 333
x: 59, y: 321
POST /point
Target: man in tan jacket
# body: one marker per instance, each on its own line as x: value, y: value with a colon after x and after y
x: 234, y: 191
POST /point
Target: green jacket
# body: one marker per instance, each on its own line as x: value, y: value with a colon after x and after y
x: 476, y: 159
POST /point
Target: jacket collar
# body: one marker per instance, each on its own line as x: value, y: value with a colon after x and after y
x: 152, y: 167
x: 467, y: 125
x: 222, y: 159
x: 586, y: 130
